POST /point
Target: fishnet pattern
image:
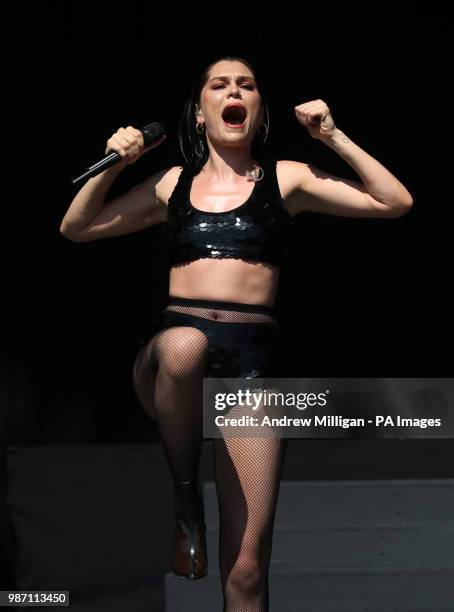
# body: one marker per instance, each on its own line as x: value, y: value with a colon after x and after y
x: 227, y: 316
x: 248, y: 473
x: 168, y: 379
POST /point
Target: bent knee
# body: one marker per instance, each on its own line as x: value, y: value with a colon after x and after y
x: 182, y: 351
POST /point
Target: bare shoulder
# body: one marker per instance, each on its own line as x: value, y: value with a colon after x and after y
x: 167, y: 182
x: 289, y: 174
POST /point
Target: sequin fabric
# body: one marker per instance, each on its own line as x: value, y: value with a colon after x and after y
x: 256, y: 231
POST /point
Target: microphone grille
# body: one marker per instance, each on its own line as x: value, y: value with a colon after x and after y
x: 152, y: 132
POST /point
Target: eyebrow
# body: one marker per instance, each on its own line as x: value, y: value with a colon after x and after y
x: 226, y: 78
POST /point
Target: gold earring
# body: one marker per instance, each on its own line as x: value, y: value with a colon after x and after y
x: 197, y: 128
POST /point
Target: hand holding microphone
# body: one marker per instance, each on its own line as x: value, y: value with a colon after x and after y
x: 125, y: 147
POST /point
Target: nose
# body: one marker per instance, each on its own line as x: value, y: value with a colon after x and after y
x: 235, y: 90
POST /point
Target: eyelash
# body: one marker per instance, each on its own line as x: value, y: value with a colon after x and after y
x: 251, y: 87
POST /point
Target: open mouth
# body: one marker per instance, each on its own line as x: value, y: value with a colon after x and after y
x: 234, y: 116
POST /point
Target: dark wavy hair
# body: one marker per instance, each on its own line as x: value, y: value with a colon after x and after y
x: 193, y: 145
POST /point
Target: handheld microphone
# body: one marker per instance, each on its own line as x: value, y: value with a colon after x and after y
x: 151, y: 134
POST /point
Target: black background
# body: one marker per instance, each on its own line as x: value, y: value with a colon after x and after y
x: 359, y: 297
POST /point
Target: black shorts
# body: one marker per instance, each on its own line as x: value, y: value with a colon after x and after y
x: 243, y: 339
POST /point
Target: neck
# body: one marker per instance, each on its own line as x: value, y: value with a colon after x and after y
x: 226, y: 164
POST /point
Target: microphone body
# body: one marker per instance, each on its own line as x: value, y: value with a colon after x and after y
x: 151, y: 134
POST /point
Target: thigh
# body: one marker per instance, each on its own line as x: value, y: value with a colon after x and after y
x: 176, y: 348
x: 144, y: 374
x: 175, y: 353
x: 229, y: 349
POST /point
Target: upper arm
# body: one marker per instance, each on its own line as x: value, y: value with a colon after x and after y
x: 141, y: 207
x: 313, y: 190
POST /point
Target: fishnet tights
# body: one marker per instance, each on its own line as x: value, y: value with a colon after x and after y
x: 247, y: 481
x: 168, y: 379
x: 231, y: 316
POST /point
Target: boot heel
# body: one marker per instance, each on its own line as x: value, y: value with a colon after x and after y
x: 189, y: 554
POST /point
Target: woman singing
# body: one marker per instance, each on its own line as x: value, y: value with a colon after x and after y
x: 227, y: 214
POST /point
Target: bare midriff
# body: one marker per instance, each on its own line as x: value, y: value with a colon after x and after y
x: 227, y: 280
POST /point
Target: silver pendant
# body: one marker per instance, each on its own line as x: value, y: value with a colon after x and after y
x: 255, y: 174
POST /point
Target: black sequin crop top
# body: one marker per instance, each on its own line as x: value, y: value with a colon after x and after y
x: 257, y: 230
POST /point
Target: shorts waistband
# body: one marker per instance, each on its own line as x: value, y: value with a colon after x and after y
x: 221, y: 305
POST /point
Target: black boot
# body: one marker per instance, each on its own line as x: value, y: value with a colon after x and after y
x: 189, y: 554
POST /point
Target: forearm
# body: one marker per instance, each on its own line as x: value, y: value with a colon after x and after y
x: 379, y: 182
x: 88, y: 202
